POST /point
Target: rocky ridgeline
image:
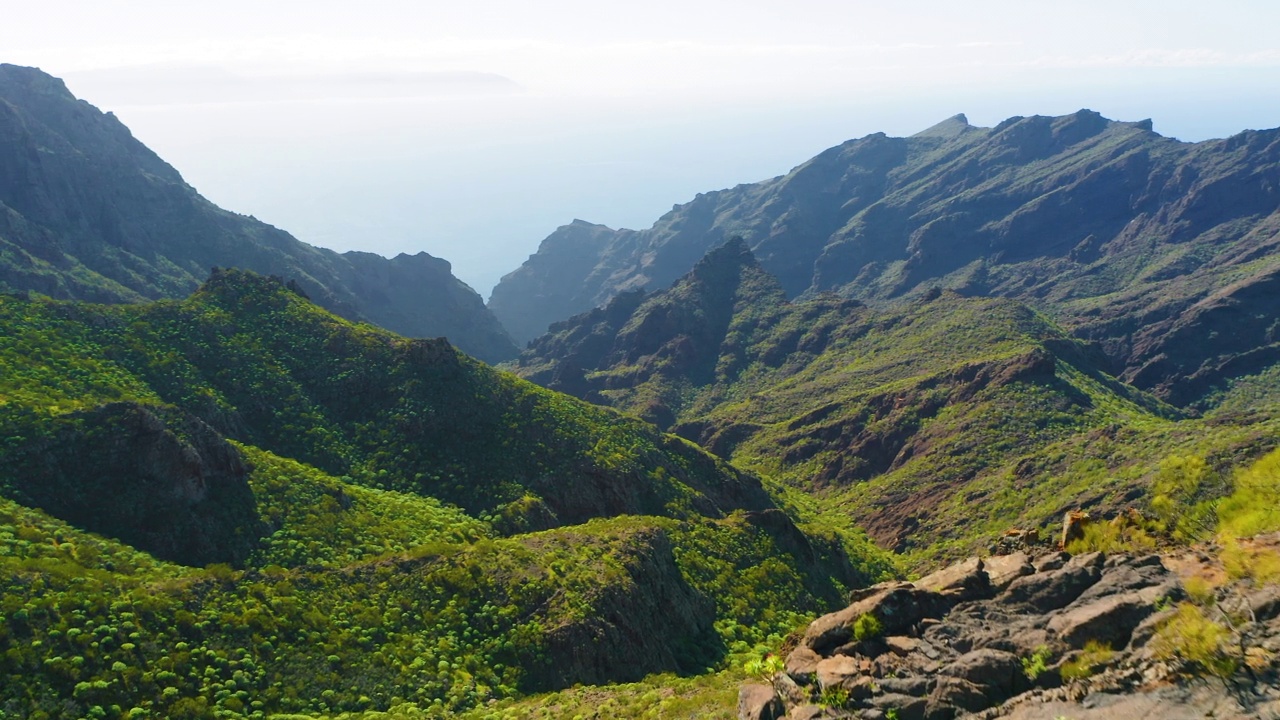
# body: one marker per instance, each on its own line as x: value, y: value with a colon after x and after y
x: 990, y: 637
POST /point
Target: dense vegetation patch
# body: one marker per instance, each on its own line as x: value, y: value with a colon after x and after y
x: 384, y: 523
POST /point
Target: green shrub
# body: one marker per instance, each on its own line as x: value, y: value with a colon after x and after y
x: 1262, y: 565
x: 1111, y: 537
x: 1254, y: 504
x: 1037, y: 663
x: 766, y: 667
x: 1191, y: 635
x: 1184, y: 496
x: 866, y: 627
x: 1084, y: 663
x: 833, y: 696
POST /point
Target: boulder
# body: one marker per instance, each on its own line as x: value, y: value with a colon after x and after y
x: 976, y: 625
x: 802, y: 664
x: 1110, y: 620
x: 838, y: 671
x: 999, y: 673
x: 904, y: 707
x: 902, y: 645
x: 1004, y: 569
x: 1055, y: 589
x: 918, y: 685
x: 1147, y: 629
x: 1024, y: 641
x: 757, y: 702
x: 1264, y: 603
x: 1050, y: 561
x: 1093, y: 560
x: 790, y: 693
x: 955, y: 696
x: 1124, y: 574
x: 965, y: 580
x: 857, y: 594
x: 807, y: 712
x: 898, y: 608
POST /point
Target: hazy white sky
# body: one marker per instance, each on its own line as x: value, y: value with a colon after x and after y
x: 471, y: 130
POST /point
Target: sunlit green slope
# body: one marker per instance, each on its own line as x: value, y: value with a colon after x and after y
x: 238, y: 505
x: 936, y: 423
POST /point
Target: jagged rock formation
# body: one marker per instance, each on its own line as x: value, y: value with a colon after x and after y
x: 87, y: 212
x: 1159, y: 250
x: 1020, y: 636
x: 697, y: 333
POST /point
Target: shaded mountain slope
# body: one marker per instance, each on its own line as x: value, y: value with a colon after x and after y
x: 407, y: 526
x: 900, y: 418
x: 261, y: 365
x: 88, y: 212
x: 1119, y: 234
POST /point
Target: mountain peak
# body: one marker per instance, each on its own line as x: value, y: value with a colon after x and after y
x: 731, y: 273
x: 21, y: 78
x: 733, y: 251
x: 951, y: 127
x: 238, y: 284
x: 90, y: 194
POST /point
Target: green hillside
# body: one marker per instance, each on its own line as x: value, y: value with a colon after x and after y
x: 225, y: 500
x: 935, y: 423
x: 239, y: 504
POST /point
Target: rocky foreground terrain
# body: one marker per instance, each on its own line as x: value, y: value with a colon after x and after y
x: 1046, y: 635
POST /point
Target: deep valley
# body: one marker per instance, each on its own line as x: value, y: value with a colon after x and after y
x: 246, y: 477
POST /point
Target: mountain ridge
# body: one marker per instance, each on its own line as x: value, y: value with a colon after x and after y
x: 1105, y: 226
x: 896, y: 416
x: 89, y: 212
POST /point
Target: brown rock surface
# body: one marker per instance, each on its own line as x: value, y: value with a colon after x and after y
x: 947, y: 659
x: 1004, y: 569
x: 757, y: 702
x: 965, y: 580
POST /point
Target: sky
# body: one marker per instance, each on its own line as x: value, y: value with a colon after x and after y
x: 471, y: 130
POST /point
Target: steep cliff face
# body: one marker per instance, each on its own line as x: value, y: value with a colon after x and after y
x: 160, y: 480
x: 1105, y: 225
x: 678, y: 333
x: 645, y: 619
x: 88, y: 212
x: 418, y: 296
x: 564, y: 278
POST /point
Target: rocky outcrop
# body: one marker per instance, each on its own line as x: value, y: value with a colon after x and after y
x: 530, y: 299
x: 644, y: 621
x: 989, y: 637
x: 89, y: 213
x: 682, y: 333
x: 155, y: 478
